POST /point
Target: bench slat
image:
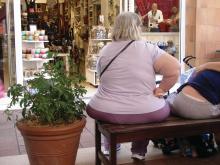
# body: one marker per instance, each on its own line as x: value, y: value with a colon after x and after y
x: 170, y: 123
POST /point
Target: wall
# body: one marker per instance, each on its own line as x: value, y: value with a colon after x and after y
x: 207, y: 30
x: 202, y: 29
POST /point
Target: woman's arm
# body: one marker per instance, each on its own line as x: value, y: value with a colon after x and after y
x: 209, y: 65
x: 169, y: 67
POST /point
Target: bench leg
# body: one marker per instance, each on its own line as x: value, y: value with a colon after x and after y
x: 113, y: 152
x: 97, y: 144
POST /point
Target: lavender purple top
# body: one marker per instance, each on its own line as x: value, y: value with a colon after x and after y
x: 127, y: 85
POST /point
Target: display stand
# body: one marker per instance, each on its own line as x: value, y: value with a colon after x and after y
x: 34, y: 54
x: 94, y: 47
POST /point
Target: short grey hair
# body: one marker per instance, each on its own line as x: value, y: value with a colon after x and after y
x: 127, y: 27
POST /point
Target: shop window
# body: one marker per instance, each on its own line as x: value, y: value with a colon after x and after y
x: 164, y: 19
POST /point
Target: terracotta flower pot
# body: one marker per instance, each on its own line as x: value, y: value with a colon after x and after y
x: 52, y: 145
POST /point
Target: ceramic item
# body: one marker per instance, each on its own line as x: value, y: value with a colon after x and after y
x: 28, y: 51
x: 41, y: 38
x: 29, y: 56
x: 42, y: 32
x: 24, y: 51
x: 44, y: 55
x: 36, y: 38
x: 31, y: 33
x: 24, y: 38
x: 32, y: 51
x: 45, y: 38
x: 23, y: 33
x: 37, y: 51
x: 30, y: 38
x: 37, y: 56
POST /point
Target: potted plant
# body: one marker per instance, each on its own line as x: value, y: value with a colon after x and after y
x: 52, y: 115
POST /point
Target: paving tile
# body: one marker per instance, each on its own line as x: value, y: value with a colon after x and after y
x: 22, y: 149
x: 8, y: 142
x: 87, y: 144
x: 4, y: 123
x: 86, y: 136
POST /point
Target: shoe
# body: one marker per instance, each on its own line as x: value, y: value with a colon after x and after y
x: 137, y: 156
x: 106, y: 151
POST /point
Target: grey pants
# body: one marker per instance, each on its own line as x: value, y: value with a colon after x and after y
x: 187, y: 107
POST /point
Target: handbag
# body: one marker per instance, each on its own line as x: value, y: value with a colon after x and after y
x: 106, y: 67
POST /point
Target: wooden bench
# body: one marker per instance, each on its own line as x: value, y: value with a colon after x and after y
x: 172, y: 127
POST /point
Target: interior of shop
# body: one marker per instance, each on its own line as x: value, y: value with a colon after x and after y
x: 76, y: 30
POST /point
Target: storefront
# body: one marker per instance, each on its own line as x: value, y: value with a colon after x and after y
x: 169, y: 35
x: 79, y: 29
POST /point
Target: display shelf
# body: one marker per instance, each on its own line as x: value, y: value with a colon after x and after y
x: 91, y: 77
x: 33, y: 77
x: 37, y: 59
x: 104, y: 39
x: 95, y: 45
x: 28, y: 41
x: 92, y: 70
x: 31, y: 65
x: 92, y: 54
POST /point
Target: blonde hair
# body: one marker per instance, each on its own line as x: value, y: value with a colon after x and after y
x: 127, y: 27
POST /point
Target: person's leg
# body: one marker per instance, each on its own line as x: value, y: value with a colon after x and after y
x: 139, y: 147
x: 102, y: 117
x: 106, y: 146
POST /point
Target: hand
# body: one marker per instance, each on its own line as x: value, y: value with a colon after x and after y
x: 158, y: 92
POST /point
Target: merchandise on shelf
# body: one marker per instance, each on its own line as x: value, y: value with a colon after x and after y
x: 34, y: 53
x: 160, y: 44
x: 38, y: 35
x: 98, y: 32
x: 29, y: 53
x: 92, y: 60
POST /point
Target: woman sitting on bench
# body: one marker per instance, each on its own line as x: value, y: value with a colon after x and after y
x: 199, y: 98
x: 127, y: 91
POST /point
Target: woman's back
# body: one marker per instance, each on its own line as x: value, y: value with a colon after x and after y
x: 127, y: 85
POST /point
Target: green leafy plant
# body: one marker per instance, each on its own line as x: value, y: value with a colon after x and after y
x: 57, y: 100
